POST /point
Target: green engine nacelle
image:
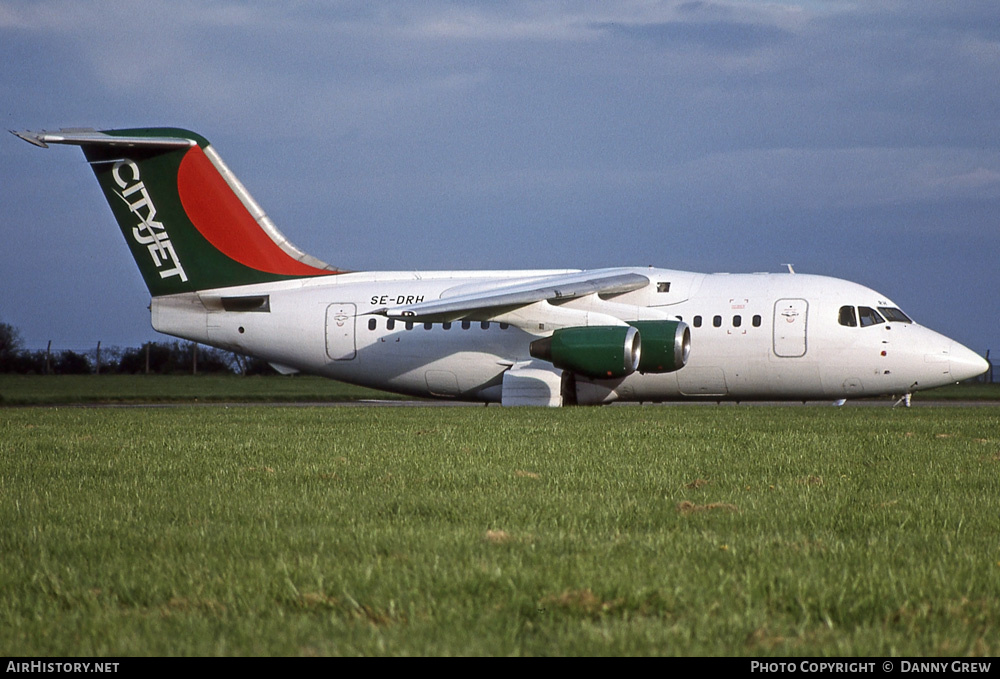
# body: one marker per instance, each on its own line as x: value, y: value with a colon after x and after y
x: 611, y: 351
x: 601, y: 351
x: 665, y: 345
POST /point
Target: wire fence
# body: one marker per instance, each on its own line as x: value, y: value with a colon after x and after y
x: 149, y: 358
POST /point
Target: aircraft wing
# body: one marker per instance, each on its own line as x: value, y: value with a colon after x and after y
x: 555, y: 288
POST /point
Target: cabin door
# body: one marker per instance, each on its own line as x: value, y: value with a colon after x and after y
x: 340, y: 344
x: 790, y: 322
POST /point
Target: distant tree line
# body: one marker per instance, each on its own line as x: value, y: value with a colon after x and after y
x: 158, y: 358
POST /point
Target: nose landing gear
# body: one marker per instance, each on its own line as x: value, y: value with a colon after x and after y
x: 904, y: 400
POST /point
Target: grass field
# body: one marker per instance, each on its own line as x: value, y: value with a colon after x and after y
x: 64, y: 389
x: 342, y: 531
x: 18, y: 390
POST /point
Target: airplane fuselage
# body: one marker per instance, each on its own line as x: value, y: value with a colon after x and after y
x: 220, y: 272
x: 753, y: 336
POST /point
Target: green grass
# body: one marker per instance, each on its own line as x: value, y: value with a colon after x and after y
x: 966, y: 391
x: 60, y: 389
x: 486, y: 531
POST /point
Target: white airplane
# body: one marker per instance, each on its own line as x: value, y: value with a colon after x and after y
x: 221, y: 274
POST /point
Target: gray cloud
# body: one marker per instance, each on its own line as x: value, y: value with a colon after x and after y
x: 715, y: 134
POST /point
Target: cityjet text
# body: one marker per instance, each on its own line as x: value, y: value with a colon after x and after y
x: 148, y: 231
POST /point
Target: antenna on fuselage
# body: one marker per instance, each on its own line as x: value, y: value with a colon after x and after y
x: 790, y: 269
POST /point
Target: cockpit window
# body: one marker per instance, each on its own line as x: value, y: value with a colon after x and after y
x: 847, y: 317
x: 894, y: 315
x: 869, y: 316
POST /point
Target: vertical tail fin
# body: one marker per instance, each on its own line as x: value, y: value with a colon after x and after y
x: 190, y: 224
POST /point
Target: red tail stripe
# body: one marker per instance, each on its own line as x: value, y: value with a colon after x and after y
x: 224, y: 221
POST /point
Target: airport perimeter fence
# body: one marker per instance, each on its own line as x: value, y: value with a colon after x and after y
x: 149, y: 358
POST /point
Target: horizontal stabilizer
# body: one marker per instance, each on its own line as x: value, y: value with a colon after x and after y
x: 84, y: 136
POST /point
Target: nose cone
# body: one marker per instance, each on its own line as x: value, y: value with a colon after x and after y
x: 964, y: 364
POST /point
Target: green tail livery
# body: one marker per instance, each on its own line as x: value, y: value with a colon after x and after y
x: 190, y: 224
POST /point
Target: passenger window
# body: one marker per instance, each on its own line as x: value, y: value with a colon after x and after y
x: 466, y: 325
x: 390, y: 324
x: 737, y: 321
x: 717, y: 321
x: 409, y: 325
x: 428, y: 326
x: 847, y: 317
x: 663, y: 286
x: 869, y: 316
x: 756, y: 321
x: 485, y: 325
x: 371, y: 323
x: 697, y: 321
x: 504, y: 326
x: 446, y: 325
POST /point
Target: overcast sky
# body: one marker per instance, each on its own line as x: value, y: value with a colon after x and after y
x: 853, y: 139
